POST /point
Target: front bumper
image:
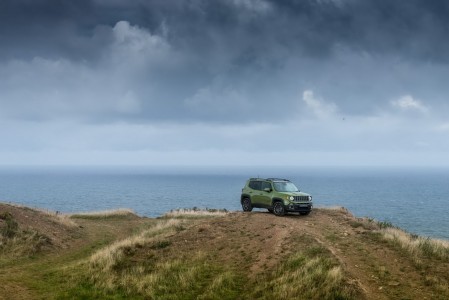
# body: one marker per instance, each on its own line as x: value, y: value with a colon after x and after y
x: 299, y: 207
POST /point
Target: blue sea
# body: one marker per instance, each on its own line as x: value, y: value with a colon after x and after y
x: 415, y: 199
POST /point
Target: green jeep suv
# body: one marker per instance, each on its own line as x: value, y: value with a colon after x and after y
x: 277, y: 195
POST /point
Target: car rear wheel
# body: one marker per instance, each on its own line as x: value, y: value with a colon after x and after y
x: 278, y: 209
x: 246, y: 205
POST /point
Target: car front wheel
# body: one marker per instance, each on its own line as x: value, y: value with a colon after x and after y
x: 246, y: 205
x: 278, y: 209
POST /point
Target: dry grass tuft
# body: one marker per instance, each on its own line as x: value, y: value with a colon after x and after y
x: 27, y: 242
x: 417, y: 246
x: 55, y: 216
x: 138, y: 268
x: 317, y: 274
x: 63, y: 219
x: 194, y: 212
x: 158, y: 278
x: 15, y: 242
x: 121, y: 212
x: 339, y: 208
x: 104, y: 261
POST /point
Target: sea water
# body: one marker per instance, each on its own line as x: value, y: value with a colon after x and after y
x: 413, y: 199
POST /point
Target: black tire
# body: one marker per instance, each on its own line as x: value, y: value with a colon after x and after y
x: 304, y: 213
x: 278, y: 209
x: 246, y: 204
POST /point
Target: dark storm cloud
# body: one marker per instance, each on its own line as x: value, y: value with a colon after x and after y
x: 219, y: 60
x: 224, y: 81
x: 417, y: 28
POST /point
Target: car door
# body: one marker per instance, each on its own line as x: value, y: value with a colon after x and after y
x: 256, y: 187
x: 265, y: 194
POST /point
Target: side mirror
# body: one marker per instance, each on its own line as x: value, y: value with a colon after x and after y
x: 267, y: 190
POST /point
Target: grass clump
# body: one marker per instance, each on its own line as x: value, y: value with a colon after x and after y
x: 63, y: 219
x: 55, y: 216
x: 145, y: 266
x: 385, y: 225
x: 105, y: 214
x: 10, y: 227
x: 422, y: 250
x: 311, y: 274
x: 180, y: 279
x: 417, y: 246
x: 161, y: 245
x: 184, y: 213
x: 15, y: 242
x: 105, y: 260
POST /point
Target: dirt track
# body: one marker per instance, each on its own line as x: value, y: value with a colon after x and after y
x: 253, y: 244
x: 257, y: 241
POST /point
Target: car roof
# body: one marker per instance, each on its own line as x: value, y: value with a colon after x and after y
x: 269, y: 179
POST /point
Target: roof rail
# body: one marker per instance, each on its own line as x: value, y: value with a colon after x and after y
x: 277, y: 179
x: 269, y: 179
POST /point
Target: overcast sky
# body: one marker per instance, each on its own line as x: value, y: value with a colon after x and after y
x: 224, y: 82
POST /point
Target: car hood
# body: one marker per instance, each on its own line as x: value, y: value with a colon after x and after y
x: 295, y: 193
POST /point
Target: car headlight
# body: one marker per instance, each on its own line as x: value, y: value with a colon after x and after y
x: 291, y: 198
x: 310, y: 198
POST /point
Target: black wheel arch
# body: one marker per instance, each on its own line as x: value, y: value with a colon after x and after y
x: 276, y: 200
x: 244, y: 196
x: 279, y: 208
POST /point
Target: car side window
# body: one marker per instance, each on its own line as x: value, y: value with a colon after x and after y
x: 255, y: 185
x: 266, y: 185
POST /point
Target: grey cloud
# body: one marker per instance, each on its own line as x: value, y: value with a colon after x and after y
x: 217, y: 61
x: 417, y: 28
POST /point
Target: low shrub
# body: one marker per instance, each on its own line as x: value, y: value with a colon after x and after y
x: 10, y: 227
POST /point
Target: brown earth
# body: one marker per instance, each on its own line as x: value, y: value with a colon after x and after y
x: 254, y: 243
x: 258, y: 241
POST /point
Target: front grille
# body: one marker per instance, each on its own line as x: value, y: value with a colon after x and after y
x: 301, y: 198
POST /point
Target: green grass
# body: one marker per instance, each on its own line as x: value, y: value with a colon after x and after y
x: 385, y: 224
x: 154, y: 278
x: 136, y: 267
x: 45, y: 274
x: 125, y: 257
x: 10, y: 228
x: 416, y: 246
x: 104, y: 215
x: 16, y: 242
x: 142, y: 267
x: 309, y: 274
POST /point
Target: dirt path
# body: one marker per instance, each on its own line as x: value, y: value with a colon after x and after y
x: 258, y: 241
x: 252, y: 244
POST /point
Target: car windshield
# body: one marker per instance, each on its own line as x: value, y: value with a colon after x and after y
x: 285, y: 187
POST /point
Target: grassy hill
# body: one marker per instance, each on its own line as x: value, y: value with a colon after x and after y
x: 192, y: 254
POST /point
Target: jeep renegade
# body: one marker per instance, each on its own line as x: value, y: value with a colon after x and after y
x: 279, y: 196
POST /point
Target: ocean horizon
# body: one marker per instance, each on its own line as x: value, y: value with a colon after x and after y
x: 414, y: 199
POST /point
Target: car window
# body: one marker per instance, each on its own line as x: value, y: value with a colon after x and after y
x: 266, y: 185
x: 285, y: 187
x: 256, y: 185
